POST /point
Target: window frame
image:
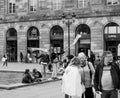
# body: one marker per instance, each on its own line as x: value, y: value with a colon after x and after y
x: 33, y: 7
x: 84, y: 3
x: 11, y: 7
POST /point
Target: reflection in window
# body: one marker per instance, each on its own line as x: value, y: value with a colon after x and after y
x: 33, y: 5
x: 11, y: 6
x: 112, y: 2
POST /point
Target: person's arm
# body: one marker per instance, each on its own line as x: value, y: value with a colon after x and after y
x: 92, y: 71
x: 96, y: 78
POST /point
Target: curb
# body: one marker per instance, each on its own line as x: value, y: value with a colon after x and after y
x: 19, y: 85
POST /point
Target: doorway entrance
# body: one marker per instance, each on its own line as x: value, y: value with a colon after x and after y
x: 83, y: 44
x: 56, y: 40
x: 11, y: 45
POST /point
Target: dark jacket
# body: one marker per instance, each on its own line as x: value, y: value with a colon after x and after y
x: 27, y: 78
x: 115, y: 73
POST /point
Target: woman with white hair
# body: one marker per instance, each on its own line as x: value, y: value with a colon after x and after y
x: 71, y: 81
x: 87, y: 74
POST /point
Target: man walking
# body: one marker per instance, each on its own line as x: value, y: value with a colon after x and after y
x: 107, y: 77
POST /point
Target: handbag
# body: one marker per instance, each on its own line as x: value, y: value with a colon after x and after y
x: 97, y: 95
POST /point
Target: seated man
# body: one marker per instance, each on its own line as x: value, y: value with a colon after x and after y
x: 36, y: 75
x: 27, y: 77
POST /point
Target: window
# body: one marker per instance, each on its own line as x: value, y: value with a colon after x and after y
x: 112, y: 2
x: 83, y: 3
x: 11, y: 6
x: 112, y: 28
x: 70, y: 3
x: 50, y: 4
x: 57, y: 4
x: 33, y: 5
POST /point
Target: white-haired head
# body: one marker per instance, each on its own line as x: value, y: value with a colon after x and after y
x: 82, y: 55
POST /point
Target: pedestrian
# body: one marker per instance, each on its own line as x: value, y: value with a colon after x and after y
x: 44, y: 62
x: 27, y: 78
x: 107, y: 77
x: 21, y: 57
x: 71, y: 80
x: 55, y: 67
x: 4, y: 59
x: 36, y: 75
x: 87, y: 74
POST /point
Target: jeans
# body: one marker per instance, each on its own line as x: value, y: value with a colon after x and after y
x: 109, y: 94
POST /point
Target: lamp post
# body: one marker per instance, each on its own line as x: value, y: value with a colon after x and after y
x: 67, y: 19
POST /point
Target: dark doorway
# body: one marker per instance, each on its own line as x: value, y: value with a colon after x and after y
x: 83, y: 44
x: 112, y: 46
x: 11, y: 45
x: 33, y: 38
x: 56, y: 40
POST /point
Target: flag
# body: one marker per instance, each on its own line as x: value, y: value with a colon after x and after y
x: 76, y: 39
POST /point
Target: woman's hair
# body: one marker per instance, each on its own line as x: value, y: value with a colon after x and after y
x: 75, y: 61
x: 82, y: 55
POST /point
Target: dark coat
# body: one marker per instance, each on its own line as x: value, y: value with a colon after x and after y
x: 115, y: 73
x: 27, y: 78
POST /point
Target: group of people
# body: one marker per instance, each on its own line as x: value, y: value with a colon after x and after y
x: 35, y: 76
x: 83, y: 80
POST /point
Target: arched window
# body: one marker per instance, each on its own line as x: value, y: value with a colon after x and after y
x: 112, y: 28
x: 33, y: 33
x: 83, y: 29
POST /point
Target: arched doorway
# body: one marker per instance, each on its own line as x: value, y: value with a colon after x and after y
x: 56, y: 40
x: 32, y: 41
x: 83, y: 44
x: 11, y: 45
x: 112, y: 38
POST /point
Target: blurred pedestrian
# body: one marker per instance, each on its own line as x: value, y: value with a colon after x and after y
x: 4, y: 59
x: 55, y: 67
x: 36, y: 75
x: 27, y: 78
x: 87, y: 74
x: 71, y: 81
x: 21, y: 57
x: 107, y: 77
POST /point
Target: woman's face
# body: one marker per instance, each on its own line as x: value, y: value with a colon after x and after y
x: 83, y: 60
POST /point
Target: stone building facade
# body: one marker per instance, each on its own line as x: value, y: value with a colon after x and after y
x: 54, y: 24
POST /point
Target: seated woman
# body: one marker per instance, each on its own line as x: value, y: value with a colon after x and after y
x: 27, y: 77
x: 36, y: 75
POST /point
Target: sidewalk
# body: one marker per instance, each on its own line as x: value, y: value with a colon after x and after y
x: 20, y: 67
